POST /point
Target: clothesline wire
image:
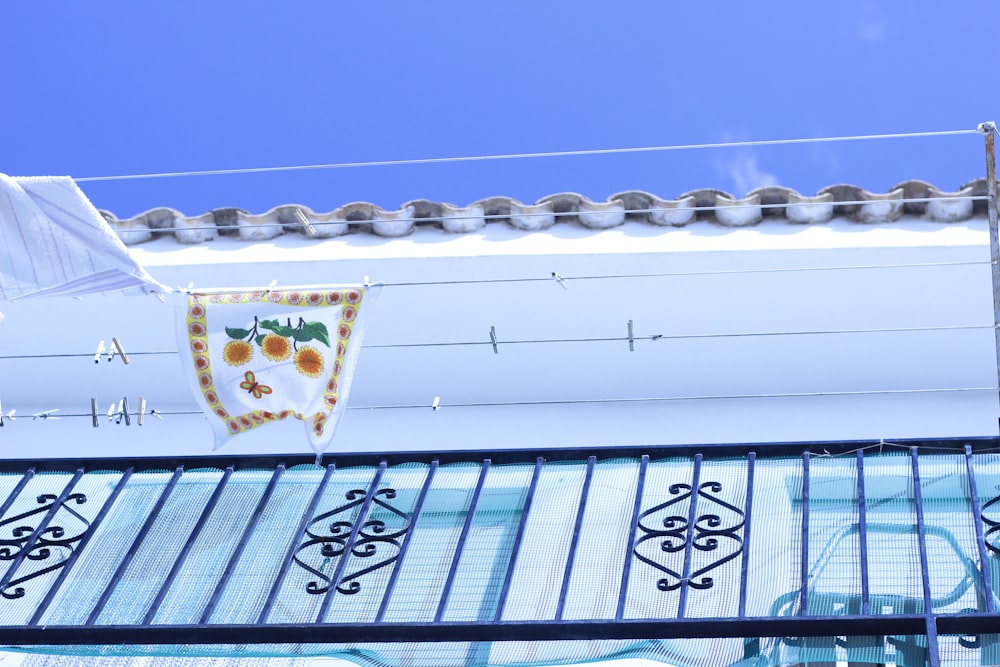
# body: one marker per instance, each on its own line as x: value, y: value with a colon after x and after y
x: 606, y: 339
x: 543, y: 214
x: 582, y: 401
x: 521, y: 156
x: 567, y: 278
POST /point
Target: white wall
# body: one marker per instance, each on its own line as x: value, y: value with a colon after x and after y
x: 711, y: 282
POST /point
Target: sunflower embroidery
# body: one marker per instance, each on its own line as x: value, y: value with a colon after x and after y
x: 237, y: 352
x: 275, y: 347
x: 309, y: 361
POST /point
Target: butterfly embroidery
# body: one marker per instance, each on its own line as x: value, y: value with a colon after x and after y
x: 251, y: 385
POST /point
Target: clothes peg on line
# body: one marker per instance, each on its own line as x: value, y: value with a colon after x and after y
x: 121, y: 351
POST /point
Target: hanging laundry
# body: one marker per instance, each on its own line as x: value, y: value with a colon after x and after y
x: 55, y: 243
x: 259, y: 356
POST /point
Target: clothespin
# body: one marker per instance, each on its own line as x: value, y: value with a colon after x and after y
x: 128, y: 421
x: 436, y: 405
x: 307, y: 227
x: 111, y: 412
x: 120, y: 411
x: 366, y: 282
x: 559, y: 279
x: 45, y: 414
x: 121, y: 351
x: 142, y: 410
x: 493, y: 339
x: 155, y: 414
x: 9, y: 417
x: 93, y: 412
x: 270, y: 286
x: 100, y: 351
x: 631, y: 338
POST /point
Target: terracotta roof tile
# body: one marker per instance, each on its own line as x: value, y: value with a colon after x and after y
x: 912, y: 198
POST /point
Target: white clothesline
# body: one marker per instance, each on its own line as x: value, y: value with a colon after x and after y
x: 520, y: 156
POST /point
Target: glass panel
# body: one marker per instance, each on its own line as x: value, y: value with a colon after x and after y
x: 144, y: 575
x: 97, y: 563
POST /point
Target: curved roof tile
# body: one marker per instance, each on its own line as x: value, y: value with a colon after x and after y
x: 913, y: 197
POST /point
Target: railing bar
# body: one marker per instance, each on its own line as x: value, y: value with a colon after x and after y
x: 636, y: 507
x: 459, y: 547
x: 866, y: 606
x: 234, y: 559
x: 804, y: 591
x: 977, y: 519
x: 134, y: 548
x: 28, y: 475
x: 516, y: 548
x: 352, y: 539
x: 414, y: 517
x: 39, y: 529
x: 745, y: 561
x: 933, y: 657
x: 272, y: 595
x: 75, y: 553
x: 577, y: 526
x: 182, y: 556
x: 689, y: 536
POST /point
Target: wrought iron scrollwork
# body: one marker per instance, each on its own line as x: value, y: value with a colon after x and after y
x: 716, y: 536
x: 375, y: 540
x: 53, y: 545
x: 992, y: 525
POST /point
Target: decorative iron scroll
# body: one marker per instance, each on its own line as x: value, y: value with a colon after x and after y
x: 717, y: 533
x: 53, y: 545
x: 992, y: 526
x: 374, y: 538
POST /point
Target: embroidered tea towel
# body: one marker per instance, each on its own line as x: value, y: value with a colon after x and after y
x: 255, y: 357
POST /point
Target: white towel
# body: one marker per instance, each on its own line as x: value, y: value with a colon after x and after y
x: 258, y: 356
x: 53, y: 242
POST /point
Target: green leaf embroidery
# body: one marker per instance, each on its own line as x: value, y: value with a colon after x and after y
x: 319, y: 332
x: 259, y: 338
x: 238, y: 334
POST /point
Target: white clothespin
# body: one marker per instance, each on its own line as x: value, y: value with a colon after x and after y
x: 121, y: 351
x: 142, y: 410
x: 559, y: 279
x: 436, y: 405
x: 631, y: 338
x: 100, y: 351
x: 270, y: 286
x: 45, y: 414
x: 9, y: 417
x: 307, y: 227
x: 366, y: 282
x: 493, y: 339
x: 120, y: 411
x: 93, y: 413
x: 111, y: 412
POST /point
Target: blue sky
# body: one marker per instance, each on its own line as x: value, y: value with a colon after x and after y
x: 103, y: 88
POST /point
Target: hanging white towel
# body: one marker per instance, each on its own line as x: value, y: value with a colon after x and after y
x: 53, y: 242
x: 262, y: 355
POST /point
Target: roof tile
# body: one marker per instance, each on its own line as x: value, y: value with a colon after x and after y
x: 912, y: 197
